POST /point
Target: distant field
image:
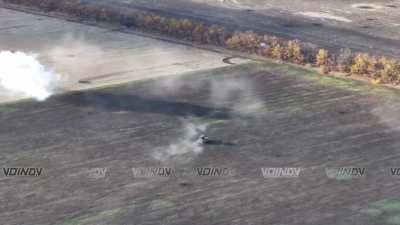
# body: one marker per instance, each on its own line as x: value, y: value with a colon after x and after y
x: 367, y: 26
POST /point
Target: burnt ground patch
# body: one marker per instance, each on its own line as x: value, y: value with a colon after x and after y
x: 109, y: 101
x: 304, y: 123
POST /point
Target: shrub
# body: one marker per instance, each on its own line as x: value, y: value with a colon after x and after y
x: 187, y: 28
x: 163, y: 26
x: 309, y: 51
x: 374, y: 67
x: 186, y: 24
x: 174, y: 26
x: 344, y: 61
x: 107, y: 15
x: 232, y: 42
x: 211, y: 35
x: 265, y: 49
x: 151, y: 21
x: 360, y: 64
x: 272, y: 41
x: 276, y: 49
x: 322, y: 57
x: 252, y: 41
x: 277, y: 52
x: 247, y: 41
x: 294, y: 52
x: 390, y: 71
x: 198, y: 34
x: 222, y: 36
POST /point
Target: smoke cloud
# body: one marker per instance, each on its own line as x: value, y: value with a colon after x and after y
x: 237, y: 94
x: 23, y: 74
x: 189, y: 144
x: 387, y: 113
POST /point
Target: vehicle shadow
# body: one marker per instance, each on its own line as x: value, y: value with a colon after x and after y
x: 218, y: 142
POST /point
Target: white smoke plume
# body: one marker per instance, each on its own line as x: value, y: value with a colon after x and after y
x: 189, y: 144
x: 237, y: 94
x: 387, y: 113
x: 23, y: 74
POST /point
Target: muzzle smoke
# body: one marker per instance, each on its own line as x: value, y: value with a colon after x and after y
x: 189, y: 144
x: 23, y: 74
